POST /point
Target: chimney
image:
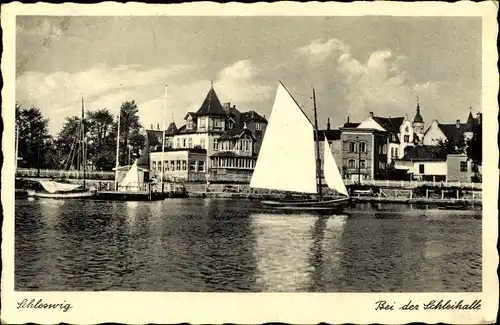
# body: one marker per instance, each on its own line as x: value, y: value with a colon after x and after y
x: 458, y: 124
x: 328, y: 124
x: 244, y: 125
x: 152, y: 127
x: 158, y: 126
x: 227, y: 107
x: 347, y: 118
x: 371, y: 114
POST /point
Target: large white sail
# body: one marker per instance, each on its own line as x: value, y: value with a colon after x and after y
x: 286, y: 159
x: 131, y: 180
x: 53, y: 187
x: 331, y: 171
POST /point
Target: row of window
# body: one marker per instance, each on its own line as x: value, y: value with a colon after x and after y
x: 177, y: 165
x: 394, y: 153
x: 353, y: 146
x: 351, y: 163
x: 241, y: 145
x: 230, y: 162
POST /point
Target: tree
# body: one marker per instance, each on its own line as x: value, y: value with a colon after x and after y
x: 453, y: 146
x: 68, y: 153
x: 130, y: 132
x: 475, y: 146
x: 34, y: 139
x: 101, y: 141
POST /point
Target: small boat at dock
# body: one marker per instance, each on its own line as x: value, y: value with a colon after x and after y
x: 289, y: 160
x: 58, y: 190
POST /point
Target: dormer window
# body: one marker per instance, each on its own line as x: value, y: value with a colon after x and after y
x: 230, y: 125
x: 258, y: 127
x: 189, y: 123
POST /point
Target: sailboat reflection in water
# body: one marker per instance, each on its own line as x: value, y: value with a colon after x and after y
x: 289, y: 159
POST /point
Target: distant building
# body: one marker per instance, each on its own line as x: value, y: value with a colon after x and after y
x: 227, y: 139
x: 424, y: 163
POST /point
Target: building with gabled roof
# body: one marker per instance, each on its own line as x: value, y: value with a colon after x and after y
x: 222, y: 131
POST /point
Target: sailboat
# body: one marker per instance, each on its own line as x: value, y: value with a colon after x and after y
x: 289, y: 159
x: 60, y: 190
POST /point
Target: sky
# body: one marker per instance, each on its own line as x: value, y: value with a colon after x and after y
x: 356, y: 65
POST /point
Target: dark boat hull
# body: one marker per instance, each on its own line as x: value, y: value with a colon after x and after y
x: 308, y: 205
x: 129, y: 196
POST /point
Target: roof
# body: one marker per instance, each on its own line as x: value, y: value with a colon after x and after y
x: 252, y: 116
x: 471, y: 119
x: 390, y: 124
x: 235, y: 133
x: 193, y: 115
x: 454, y: 133
x: 211, y: 105
x: 182, y: 130
x: 329, y: 134
x: 425, y: 153
x: 351, y: 125
x: 172, y: 129
x: 194, y: 150
x: 418, y: 117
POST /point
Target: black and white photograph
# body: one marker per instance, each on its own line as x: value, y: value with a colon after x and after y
x: 257, y: 153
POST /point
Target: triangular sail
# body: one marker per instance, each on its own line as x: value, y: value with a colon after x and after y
x: 131, y: 180
x: 286, y: 159
x: 331, y: 171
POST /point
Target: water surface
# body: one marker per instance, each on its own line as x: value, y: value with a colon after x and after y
x: 229, y: 245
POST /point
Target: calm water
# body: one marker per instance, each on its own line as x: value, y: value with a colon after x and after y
x: 227, y: 245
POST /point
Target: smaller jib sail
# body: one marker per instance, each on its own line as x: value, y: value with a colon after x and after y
x: 131, y: 180
x: 331, y: 171
x: 286, y: 159
x: 55, y: 187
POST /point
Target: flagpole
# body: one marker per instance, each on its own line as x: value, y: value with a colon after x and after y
x: 117, y: 164
x: 84, y: 159
x: 163, y: 139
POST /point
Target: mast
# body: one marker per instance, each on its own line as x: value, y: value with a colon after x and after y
x: 117, y: 164
x: 84, y: 158
x: 163, y: 139
x: 318, y: 159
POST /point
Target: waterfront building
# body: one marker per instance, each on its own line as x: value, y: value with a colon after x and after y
x: 225, y: 138
x: 457, y: 132
x: 424, y: 163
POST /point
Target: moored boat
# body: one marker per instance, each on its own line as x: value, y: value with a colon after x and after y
x: 289, y: 159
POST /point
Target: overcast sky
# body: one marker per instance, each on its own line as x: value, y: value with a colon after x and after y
x: 356, y: 64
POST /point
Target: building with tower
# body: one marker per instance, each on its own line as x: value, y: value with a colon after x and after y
x: 216, y: 143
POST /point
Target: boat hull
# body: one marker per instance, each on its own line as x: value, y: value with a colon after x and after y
x: 308, y: 205
x: 129, y: 196
x: 73, y: 195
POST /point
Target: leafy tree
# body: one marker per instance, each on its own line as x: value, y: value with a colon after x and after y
x: 101, y: 144
x: 130, y: 132
x: 34, y: 141
x: 453, y: 146
x: 475, y: 146
x: 68, y: 153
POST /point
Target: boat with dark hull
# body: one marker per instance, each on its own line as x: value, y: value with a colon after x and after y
x: 290, y: 160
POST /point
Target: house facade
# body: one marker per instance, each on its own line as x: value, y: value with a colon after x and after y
x: 221, y: 133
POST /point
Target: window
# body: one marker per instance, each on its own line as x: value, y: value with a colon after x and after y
x: 165, y: 165
x: 192, y: 165
x: 384, y: 149
x: 172, y: 165
x: 247, y: 145
x: 407, y: 138
x: 362, y: 146
x: 230, y: 125
x: 421, y: 168
x: 392, y: 153
x: 396, y: 152
x: 216, y: 144
x: 190, y: 142
x: 351, y: 163
x: 202, y: 143
x: 258, y: 127
x: 154, y: 165
x: 362, y: 163
x: 407, y: 129
x: 352, y: 146
x: 201, y: 166
x: 189, y: 123
x: 178, y: 165
x: 463, y: 166
x: 178, y: 143
x: 184, y: 165
x: 184, y: 142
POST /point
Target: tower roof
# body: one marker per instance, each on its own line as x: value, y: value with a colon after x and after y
x: 418, y: 117
x: 211, y: 105
x: 470, y: 118
x: 172, y: 129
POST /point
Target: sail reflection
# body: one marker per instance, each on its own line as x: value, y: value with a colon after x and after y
x: 291, y: 250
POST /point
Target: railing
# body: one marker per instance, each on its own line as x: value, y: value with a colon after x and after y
x: 71, y: 174
x: 413, y: 184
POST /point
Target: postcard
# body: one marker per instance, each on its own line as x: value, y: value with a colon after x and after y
x: 249, y: 163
